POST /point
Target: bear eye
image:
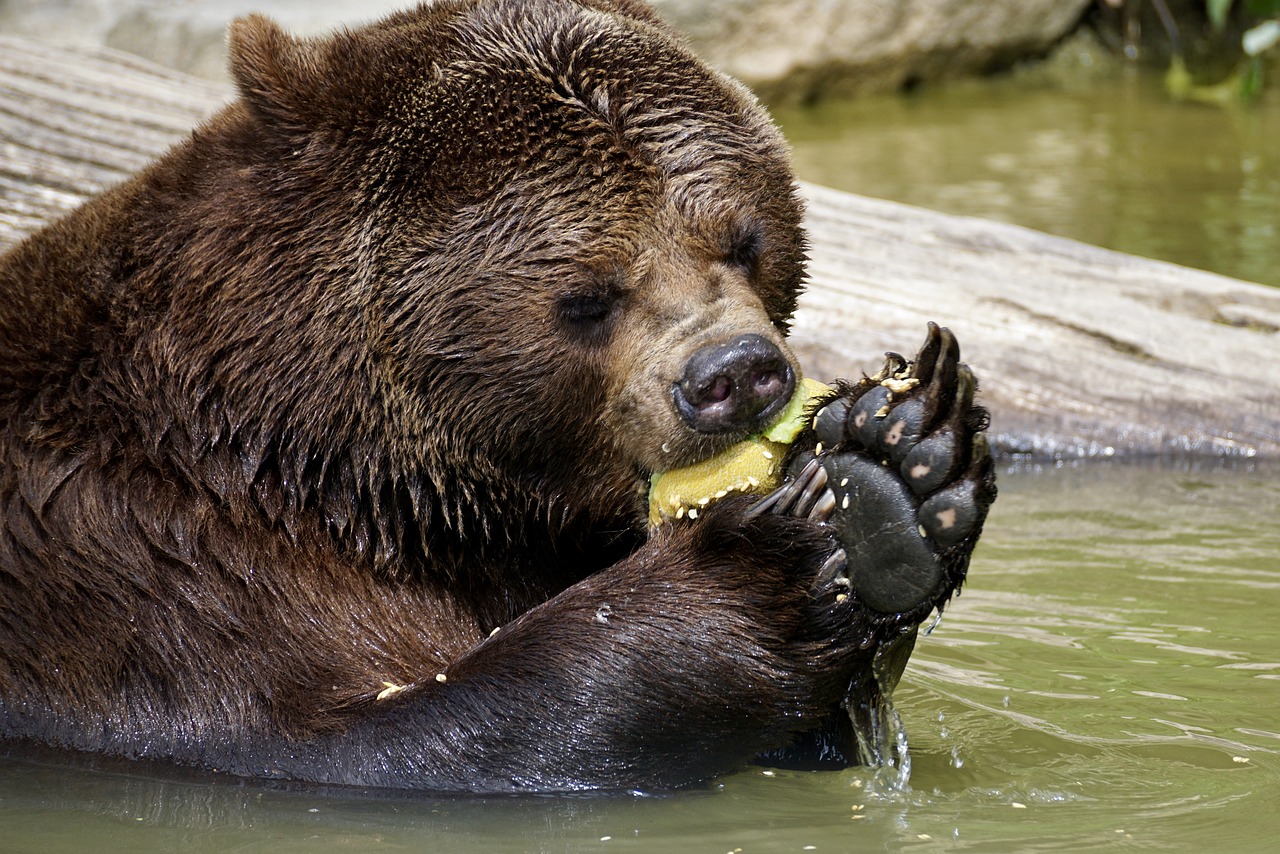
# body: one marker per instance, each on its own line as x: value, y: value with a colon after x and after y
x: 586, y: 313
x: 744, y: 246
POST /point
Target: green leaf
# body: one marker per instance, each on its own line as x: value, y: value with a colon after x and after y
x: 1251, y: 82
x: 1218, y: 11
x: 1263, y: 8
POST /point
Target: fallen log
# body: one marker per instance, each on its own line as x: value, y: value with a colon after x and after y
x: 1083, y: 351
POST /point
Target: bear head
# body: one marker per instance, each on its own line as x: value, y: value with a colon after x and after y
x: 521, y: 248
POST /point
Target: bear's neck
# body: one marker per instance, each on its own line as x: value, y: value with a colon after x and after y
x: 499, y: 549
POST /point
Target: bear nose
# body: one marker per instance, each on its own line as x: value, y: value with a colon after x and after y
x: 734, y: 386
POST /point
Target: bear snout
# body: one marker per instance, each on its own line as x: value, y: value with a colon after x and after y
x: 735, y: 387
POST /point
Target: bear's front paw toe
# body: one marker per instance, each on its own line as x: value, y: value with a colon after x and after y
x: 908, y: 465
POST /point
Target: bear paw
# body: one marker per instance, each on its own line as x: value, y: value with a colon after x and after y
x: 908, y: 464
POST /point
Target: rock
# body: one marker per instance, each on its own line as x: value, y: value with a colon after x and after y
x: 1081, y: 351
x: 189, y: 36
x: 830, y: 46
x: 853, y: 46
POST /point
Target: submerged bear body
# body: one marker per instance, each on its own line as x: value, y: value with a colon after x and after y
x: 324, y: 441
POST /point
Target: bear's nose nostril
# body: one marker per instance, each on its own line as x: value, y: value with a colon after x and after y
x: 735, y: 387
x: 767, y: 383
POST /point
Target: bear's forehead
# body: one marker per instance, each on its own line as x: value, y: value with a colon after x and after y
x: 578, y: 126
x: 514, y: 73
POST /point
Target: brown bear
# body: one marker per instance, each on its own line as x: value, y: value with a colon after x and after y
x: 324, y: 441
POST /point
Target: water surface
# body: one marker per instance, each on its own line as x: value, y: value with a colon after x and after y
x: 1109, y: 160
x: 1109, y: 679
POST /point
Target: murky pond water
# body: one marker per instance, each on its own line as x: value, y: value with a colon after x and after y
x: 1109, y: 679
x: 1110, y: 160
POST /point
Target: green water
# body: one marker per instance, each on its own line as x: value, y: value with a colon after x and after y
x: 1108, y: 160
x: 1109, y: 679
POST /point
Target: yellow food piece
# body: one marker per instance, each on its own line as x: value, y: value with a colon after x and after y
x: 792, y: 420
x: 752, y: 466
x: 900, y: 386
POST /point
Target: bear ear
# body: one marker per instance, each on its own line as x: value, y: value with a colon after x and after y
x: 279, y: 76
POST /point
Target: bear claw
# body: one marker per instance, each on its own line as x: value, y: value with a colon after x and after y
x: 808, y: 496
x: 910, y: 474
x: 804, y: 496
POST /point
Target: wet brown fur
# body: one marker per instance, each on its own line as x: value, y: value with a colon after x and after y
x: 377, y: 362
